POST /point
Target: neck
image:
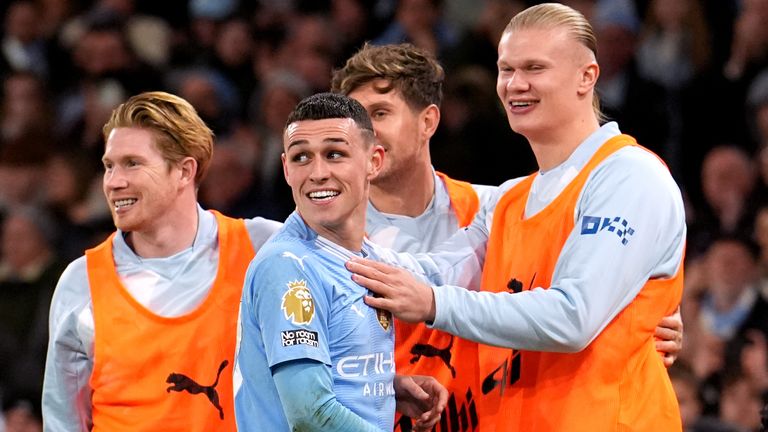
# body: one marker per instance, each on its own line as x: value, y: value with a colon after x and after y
x: 554, y: 147
x: 348, y: 234
x: 349, y: 242
x: 169, y: 238
x: 408, y: 194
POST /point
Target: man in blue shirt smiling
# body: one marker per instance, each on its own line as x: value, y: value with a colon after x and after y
x: 307, y: 338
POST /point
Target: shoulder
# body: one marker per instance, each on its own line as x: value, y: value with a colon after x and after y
x: 74, y: 278
x: 634, y: 181
x: 280, y: 265
x: 262, y: 224
x: 637, y: 158
x: 485, y: 193
x: 495, y: 195
x: 636, y: 168
x: 283, y: 253
x: 72, y: 292
x: 260, y: 229
x: 278, y: 258
x: 509, y: 184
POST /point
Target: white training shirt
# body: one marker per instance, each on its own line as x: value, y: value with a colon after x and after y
x: 153, y: 282
x: 596, y: 276
x: 426, y: 231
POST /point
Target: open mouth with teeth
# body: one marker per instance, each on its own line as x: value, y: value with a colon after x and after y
x: 521, y: 104
x: 324, y: 195
x: 122, y: 203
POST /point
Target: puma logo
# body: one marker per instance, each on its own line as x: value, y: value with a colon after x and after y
x: 181, y: 382
x: 515, y: 285
x: 427, y: 350
x: 293, y: 256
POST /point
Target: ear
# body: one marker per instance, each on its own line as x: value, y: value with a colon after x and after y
x: 430, y: 118
x: 285, y: 168
x: 188, y: 169
x: 589, y: 75
x: 376, y: 161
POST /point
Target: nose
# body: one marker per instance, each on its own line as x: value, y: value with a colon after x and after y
x: 114, y: 179
x: 516, y: 81
x: 320, y: 171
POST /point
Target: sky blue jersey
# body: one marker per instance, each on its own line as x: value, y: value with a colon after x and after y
x: 299, y: 302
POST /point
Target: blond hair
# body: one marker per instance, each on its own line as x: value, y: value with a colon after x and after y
x: 556, y: 15
x: 178, y: 130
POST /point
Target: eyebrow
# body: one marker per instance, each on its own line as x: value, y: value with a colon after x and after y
x: 327, y: 141
x: 120, y: 158
x: 379, y: 105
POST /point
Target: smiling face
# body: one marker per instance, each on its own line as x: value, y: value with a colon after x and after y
x: 398, y: 127
x: 328, y: 164
x: 545, y: 79
x: 142, y: 189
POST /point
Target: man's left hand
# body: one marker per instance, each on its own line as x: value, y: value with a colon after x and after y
x: 669, y: 337
x: 422, y: 398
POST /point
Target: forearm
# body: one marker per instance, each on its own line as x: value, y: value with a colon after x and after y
x: 597, y: 275
x: 309, y: 403
x: 564, y: 318
x: 63, y: 412
x: 511, y: 320
x: 66, y: 399
x: 458, y: 261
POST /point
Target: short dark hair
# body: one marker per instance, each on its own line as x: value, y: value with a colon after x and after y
x: 323, y: 106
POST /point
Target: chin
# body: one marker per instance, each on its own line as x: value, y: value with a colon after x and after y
x: 124, y: 225
x: 384, y: 175
x: 330, y: 224
x: 525, y: 130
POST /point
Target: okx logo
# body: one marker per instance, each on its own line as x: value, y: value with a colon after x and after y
x: 618, y: 225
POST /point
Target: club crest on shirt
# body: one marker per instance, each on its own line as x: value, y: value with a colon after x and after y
x: 298, y: 305
x: 385, y: 318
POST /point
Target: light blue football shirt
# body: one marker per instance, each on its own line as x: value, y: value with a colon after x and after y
x: 299, y: 302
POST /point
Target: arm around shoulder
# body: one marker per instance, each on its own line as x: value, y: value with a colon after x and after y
x: 585, y: 293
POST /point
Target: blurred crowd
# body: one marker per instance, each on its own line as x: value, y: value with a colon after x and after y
x: 687, y: 78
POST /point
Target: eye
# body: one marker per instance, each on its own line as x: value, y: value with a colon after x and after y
x: 378, y: 114
x: 335, y: 154
x: 107, y: 166
x: 299, y: 158
x: 130, y: 163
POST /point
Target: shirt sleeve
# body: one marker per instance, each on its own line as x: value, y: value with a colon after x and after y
x: 598, y: 273
x: 260, y: 230
x: 291, y: 306
x: 66, y: 402
x: 314, y: 407
x: 459, y: 260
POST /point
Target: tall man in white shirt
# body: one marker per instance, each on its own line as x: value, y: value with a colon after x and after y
x: 586, y: 254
